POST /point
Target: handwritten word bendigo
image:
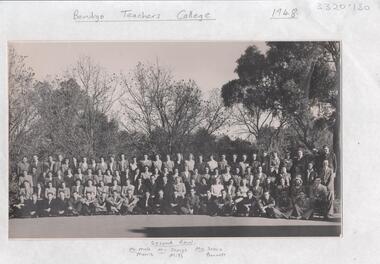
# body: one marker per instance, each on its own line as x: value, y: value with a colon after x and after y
x: 90, y: 16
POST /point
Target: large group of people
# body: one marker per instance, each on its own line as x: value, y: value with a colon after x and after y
x: 294, y: 186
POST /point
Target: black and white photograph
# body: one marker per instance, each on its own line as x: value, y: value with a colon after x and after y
x: 174, y: 139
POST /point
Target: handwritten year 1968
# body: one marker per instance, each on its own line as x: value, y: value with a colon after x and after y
x: 337, y: 6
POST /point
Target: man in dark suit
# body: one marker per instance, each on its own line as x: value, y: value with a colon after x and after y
x: 60, y: 204
x: 47, y: 206
x: 191, y: 204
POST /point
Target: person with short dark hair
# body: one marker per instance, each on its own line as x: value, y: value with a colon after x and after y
x: 146, y: 204
x: 78, y: 188
x: 102, y: 189
x: 201, y: 165
x: 114, y: 202
x: 267, y: 205
x: 223, y: 163
x: 284, y: 205
x: 191, y: 204
x: 60, y: 204
x: 23, y: 165
x: 88, y: 204
x: 247, y: 206
x: 168, y: 164
x: 20, y: 209
x: 321, y: 200
x: 101, y: 204
x: 74, y: 207
x: 208, y: 205
x: 47, y: 206
x: 33, y: 206
x: 243, y: 164
x: 224, y: 204
x: 50, y: 189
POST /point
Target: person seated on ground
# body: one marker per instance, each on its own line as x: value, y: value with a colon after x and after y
x: 269, y: 186
x: 237, y: 177
x: 159, y: 203
x: 174, y: 204
x: 26, y: 190
x: 208, y: 205
x: 129, y: 203
x: 33, y: 206
x: 247, y: 206
x: 230, y: 188
x: 20, y: 209
x: 260, y: 174
x: 88, y: 204
x: 226, y: 176
x: 224, y: 204
x: 146, y: 204
x: 60, y: 204
x: 50, y: 189
x: 78, y: 187
x: 114, y: 202
x: 101, y: 204
x: 140, y: 188
x: 321, y: 200
x: 64, y: 189
x: 47, y: 205
x: 102, y: 189
x: 114, y: 187
x: 302, y: 208
x: 284, y: 205
x: 257, y: 190
x: 266, y: 205
x: 191, y: 204
x: 179, y: 188
x: 107, y: 178
x: 284, y: 174
x: 75, y: 204
x: 296, y: 188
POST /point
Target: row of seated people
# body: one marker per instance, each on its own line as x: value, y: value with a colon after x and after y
x: 261, y: 199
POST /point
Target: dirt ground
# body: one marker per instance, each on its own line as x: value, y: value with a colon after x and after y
x: 113, y: 226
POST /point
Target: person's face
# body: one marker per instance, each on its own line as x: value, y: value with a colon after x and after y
x: 192, y: 192
x: 25, y: 173
x: 76, y: 195
x: 84, y: 160
x: 325, y: 164
x: 234, y: 156
x: 268, y: 180
x: 203, y: 181
x: 266, y: 195
x: 101, y: 184
x: 284, y: 169
x: 104, y: 195
x: 177, y: 180
x: 50, y: 196
x: 134, y: 159
x: 257, y: 182
x: 77, y: 183
x: 50, y: 185
x: 114, y: 182
x: 147, y: 194
x: 260, y: 169
x: 22, y: 199
x: 34, y: 197
x: 249, y: 194
x: 248, y: 170
x: 145, y: 157
x: 224, y: 193
x: 282, y: 181
x: 146, y: 169
x: 129, y: 192
x: 102, y: 160
x: 139, y: 180
x: 157, y: 157
x: 300, y: 153
x: 89, y: 172
x: 223, y: 157
x: 50, y: 158
x: 24, y: 159
x: 50, y: 174
x: 176, y: 171
x: 211, y: 157
x: 60, y: 157
x: 326, y: 150
x: 161, y: 193
x: 165, y: 180
x: 244, y: 157
x: 200, y: 158
x: 63, y: 185
x: 79, y: 171
x: 208, y: 193
x: 237, y: 170
x: 310, y: 166
x: 89, y: 183
x: 275, y: 154
x: 152, y: 179
x: 207, y: 170
x: 216, y: 171
x: 254, y: 156
x: 195, y: 171
x: 62, y: 195
x: 88, y: 195
x: 35, y: 158
x: 122, y: 156
x: 99, y: 172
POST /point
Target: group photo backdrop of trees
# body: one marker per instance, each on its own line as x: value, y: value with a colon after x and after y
x: 284, y: 97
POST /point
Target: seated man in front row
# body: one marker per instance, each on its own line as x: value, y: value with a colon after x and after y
x: 191, y: 204
x: 267, y: 204
x: 321, y: 199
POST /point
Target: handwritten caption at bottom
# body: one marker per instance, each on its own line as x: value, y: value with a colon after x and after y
x: 176, y: 249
